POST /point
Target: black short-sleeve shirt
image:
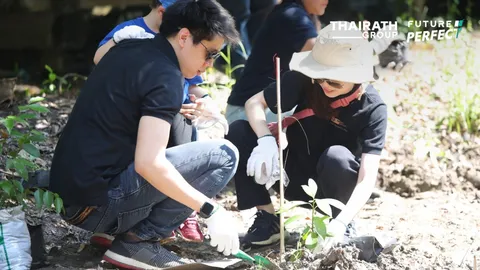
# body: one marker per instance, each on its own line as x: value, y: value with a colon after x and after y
x: 135, y: 78
x: 360, y: 127
x: 284, y: 32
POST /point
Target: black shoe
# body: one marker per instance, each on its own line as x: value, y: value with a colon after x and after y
x: 141, y: 255
x: 265, y: 231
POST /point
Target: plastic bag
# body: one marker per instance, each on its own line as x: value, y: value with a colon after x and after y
x: 14, y: 240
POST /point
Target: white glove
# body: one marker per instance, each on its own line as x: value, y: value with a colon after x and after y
x: 131, y: 32
x: 337, y: 229
x: 222, y: 234
x: 261, y: 162
x: 210, y: 116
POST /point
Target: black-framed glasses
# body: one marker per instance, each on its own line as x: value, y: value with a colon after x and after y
x: 210, y: 55
x: 333, y: 84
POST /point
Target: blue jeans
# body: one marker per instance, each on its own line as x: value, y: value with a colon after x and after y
x: 136, y: 206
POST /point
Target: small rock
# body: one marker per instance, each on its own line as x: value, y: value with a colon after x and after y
x: 473, y: 176
x: 89, y: 265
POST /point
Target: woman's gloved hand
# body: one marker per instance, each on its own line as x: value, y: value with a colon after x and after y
x: 262, y: 159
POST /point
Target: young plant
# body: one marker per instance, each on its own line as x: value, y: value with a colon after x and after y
x: 58, y: 83
x: 16, y: 161
x: 463, y: 114
x: 314, y: 232
x: 228, y: 68
x: 20, y: 158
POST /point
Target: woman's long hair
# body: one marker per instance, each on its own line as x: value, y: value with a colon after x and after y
x: 320, y: 103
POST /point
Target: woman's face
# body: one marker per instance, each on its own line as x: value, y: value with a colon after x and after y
x: 315, y: 7
x: 333, y: 88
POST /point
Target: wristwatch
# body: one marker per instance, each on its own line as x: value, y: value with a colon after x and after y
x: 206, y: 210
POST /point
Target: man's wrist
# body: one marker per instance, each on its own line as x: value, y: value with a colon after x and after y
x: 207, y: 209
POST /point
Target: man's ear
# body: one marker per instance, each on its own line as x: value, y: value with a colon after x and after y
x: 183, y: 36
x: 160, y: 10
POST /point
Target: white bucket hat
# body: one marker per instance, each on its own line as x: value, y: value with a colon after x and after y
x: 338, y: 54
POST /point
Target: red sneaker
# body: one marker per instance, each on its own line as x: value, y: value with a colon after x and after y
x: 190, y: 229
x: 102, y: 240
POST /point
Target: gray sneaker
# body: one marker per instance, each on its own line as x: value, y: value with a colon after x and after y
x: 141, y: 255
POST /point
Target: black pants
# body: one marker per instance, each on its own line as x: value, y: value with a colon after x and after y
x: 336, y: 173
x: 182, y: 131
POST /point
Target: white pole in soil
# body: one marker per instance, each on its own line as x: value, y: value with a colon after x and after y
x: 279, y: 121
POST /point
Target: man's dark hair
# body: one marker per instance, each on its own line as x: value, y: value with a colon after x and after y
x: 205, y: 19
x: 154, y: 4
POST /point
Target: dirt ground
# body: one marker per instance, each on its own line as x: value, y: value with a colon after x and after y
x: 428, y: 203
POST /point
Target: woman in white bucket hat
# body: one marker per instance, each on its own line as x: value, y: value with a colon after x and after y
x: 335, y: 136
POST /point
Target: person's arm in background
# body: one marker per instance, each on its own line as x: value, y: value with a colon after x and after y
x: 119, y: 33
x: 302, y: 31
x: 198, y: 91
x: 308, y: 46
x: 192, y: 110
x: 105, y: 44
x: 194, y: 89
x: 102, y: 50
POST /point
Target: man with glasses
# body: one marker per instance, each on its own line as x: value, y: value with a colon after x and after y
x: 111, y: 165
x: 182, y: 130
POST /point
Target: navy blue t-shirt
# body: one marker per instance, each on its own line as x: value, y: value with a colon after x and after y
x: 141, y: 22
x: 284, y: 32
x: 137, y: 77
x: 360, y: 127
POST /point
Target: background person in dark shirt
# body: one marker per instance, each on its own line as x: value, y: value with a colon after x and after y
x: 290, y: 27
x: 249, y: 17
x: 337, y: 143
x: 111, y: 165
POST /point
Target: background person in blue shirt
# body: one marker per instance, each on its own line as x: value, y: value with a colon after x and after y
x: 182, y: 130
x: 151, y: 23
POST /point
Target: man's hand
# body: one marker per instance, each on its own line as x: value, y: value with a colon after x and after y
x: 223, y: 235
x: 204, y: 113
x: 337, y: 229
x: 131, y: 32
x: 261, y: 162
x: 192, y: 110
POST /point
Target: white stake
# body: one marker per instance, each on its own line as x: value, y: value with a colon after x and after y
x: 279, y: 121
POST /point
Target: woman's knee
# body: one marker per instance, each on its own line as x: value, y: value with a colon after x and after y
x: 336, y: 158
